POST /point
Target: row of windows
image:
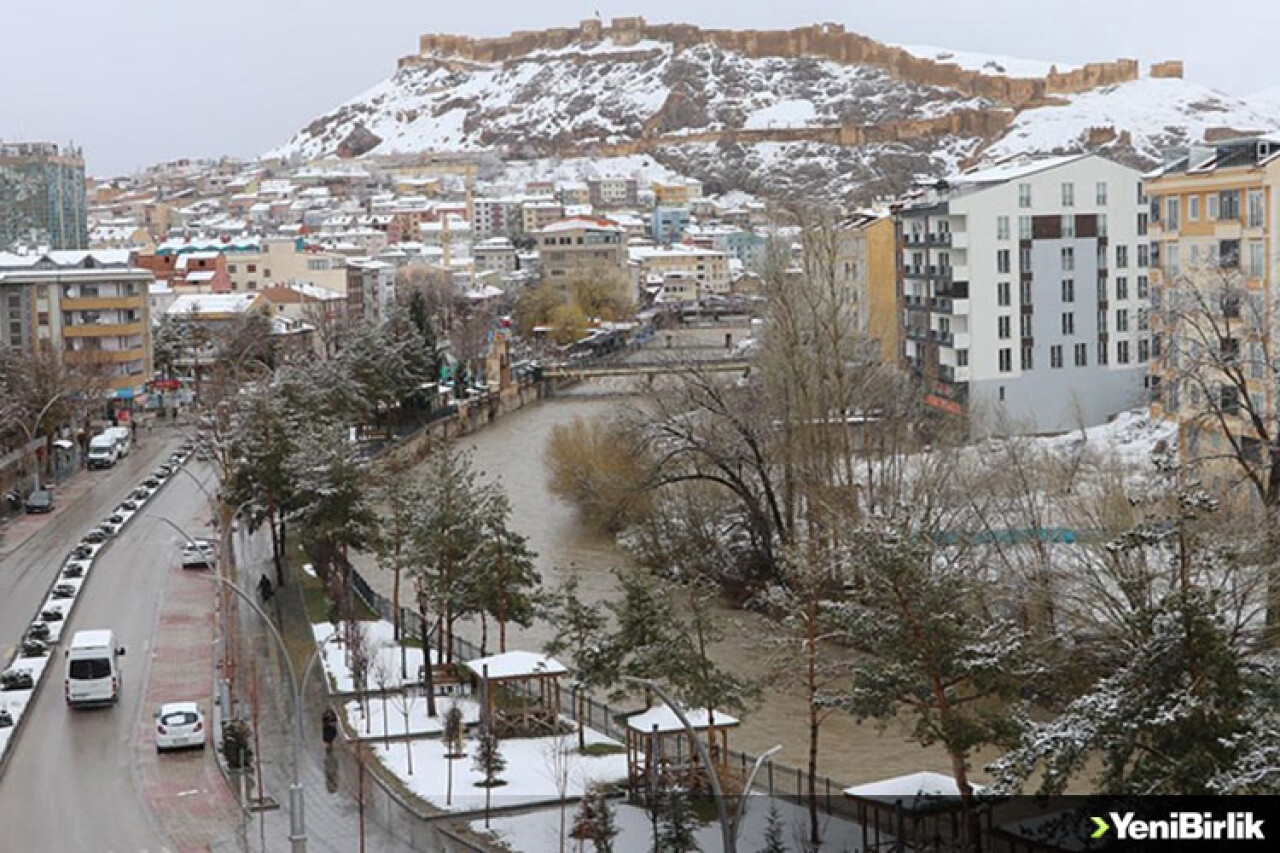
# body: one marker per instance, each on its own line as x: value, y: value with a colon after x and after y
x: 1080, y: 355
x: 1067, y: 194
x: 1219, y: 206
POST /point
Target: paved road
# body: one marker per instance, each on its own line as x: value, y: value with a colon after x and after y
x: 28, y: 568
x: 72, y: 783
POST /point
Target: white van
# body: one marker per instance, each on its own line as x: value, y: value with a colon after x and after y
x: 123, y: 437
x: 102, y: 451
x: 93, y: 669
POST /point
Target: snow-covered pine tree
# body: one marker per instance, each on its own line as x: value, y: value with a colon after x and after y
x: 773, y: 842
x: 678, y: 822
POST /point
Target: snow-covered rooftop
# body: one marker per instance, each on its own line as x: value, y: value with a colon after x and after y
x: 579, y: 222
x: 667, y: 721
x: 516, y: 664
x: 1019, y: 168
x: 201, y: 304
x: 922, y: 784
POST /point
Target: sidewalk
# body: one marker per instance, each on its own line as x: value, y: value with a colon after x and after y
x: 328, y: 780
x: 186, y: 792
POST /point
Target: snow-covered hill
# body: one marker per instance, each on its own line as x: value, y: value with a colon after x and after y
x: 764, y: 124
x: 1154, y: 114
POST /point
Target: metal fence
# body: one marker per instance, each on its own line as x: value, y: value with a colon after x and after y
x: 776, y: 780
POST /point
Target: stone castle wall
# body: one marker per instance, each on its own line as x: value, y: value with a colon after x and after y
x: 826, y: 41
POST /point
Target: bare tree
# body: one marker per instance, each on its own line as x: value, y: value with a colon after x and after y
x: 558, y: 753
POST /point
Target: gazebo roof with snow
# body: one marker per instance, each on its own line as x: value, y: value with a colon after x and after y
x: 667, y: 721
x: 516, y: 664
x: 930, y: 787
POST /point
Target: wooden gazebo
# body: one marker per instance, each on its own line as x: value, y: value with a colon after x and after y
x: 661, y: 751
x: 919, y: 811
x: 520, y: 692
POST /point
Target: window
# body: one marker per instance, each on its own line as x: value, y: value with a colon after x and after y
x: 1229, y: 204
x: 1122, y: 319
x: 1082, y: 355
x: 1068, y: 290
x: 252, y: 268
x: 1229, y: 399
x: 1122, y: 288
x: 1002, y: 260
x: 1068, y: 324
x: 1024, y: 259
x: 1102, y: 321
x: 1055, y: 356
x: 1255, y: 209
x: 1024, y: 228
x: 1068, y: 194
x: 1028, y: 358
x: 1228, y: 254
x: 1101, y: 194
x: 1102, y: 353
x: 1144, y: 291
x: 1155, y: 208
x: 1024, y: 325
x: 1003, y: 328
x: 1193, y: 208
x: 1002, y: 294
x: 1172, y: 265
x: 1102, y: 225
x: 1144, y: 351
x: 231, y: 268
x: 1006, y: 360
x: 1142, y: 193
x: 1144, y: 256
x: 1002, y: 228
x: 1212, y: 206
x: 962, y: 358
x: 1024, y: 291
x: 1171, y: 218
x: 1255, y: 258
x: 1024, y: 195
x: 1122, y: 257
x: 1142, y: 224
x: 89, y: 669
x: 1068, y: 258
x: 1068, y: 226
x: 1143, y: 320
x: 1102, y: 290
x: 1122, y: 352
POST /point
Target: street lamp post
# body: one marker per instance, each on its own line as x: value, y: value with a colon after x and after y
x: 728, y: 826
x: 31, y: 436
x: 297, y: 817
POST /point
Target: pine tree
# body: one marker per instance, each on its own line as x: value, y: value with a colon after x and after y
x: 606, y: 824
x: 489, y: 762
x: 678, y: 820
x: 505, y: 578
x: 773, y: 842
x: 580, y: 634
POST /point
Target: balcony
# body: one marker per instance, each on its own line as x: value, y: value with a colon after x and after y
x: 918, y: 333
x: 911, y: 271
x: 105, y: 356
x: 913, y: 238
x: 100, y: 330
x: 911, y: 300
x: 102, y: 303
x: 939, y: 238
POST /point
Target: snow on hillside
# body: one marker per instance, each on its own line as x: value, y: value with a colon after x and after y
x: 1157, y: 113
x: 517, y: 173
x: 1267, y: 102
x: 987, y: 63
x: 605, y: 94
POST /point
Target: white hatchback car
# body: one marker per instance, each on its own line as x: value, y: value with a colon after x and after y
x: 179, y: 725
x: 199, y: 554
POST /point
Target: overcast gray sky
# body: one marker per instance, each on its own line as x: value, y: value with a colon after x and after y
x: 139, y: 81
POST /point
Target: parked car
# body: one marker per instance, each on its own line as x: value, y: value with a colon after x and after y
x: 128, y: 506
x: 82, y: 552
x: 38, y: 631
x: 151, y: 483
x: 16, y: 679
x: 96, y: 536
x: 6, y: 719
x: 51, y: 614
x: 73, y: 570
x: 200, y: 554
x: 140, y: 494
x: 179, y: 725
x: 41, y: 500
x: 64, y: 590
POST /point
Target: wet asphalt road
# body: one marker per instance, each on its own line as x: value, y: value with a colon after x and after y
x: 71, y: 784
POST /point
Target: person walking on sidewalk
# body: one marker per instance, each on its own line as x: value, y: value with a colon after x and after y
x: 329, y: 727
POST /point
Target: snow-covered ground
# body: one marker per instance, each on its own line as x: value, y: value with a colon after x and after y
x: 380, y: 635
x: 529, y: 773
x: 1157, y: 113
x: 1131, y: 437
x: 539, y: 832
x: 987, y: 63
x: 784, y: 113
x: 394, y: 708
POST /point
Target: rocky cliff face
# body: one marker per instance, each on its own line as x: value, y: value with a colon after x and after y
x: 815, y: 110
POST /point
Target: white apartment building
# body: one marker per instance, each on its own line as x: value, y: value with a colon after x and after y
x: 1025, y: 294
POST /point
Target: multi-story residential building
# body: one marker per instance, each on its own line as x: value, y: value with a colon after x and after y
x: 1212, y: 220
x: 573, y: 193
x: 42, y: 196
x: 1025, y: 295
x: 189, y: 272
x: 90, y: 306
x: 496, y: 254
x: 708, y: 268
x: 579, y: 246
x: 371, y: 288
x: 496, y: 217
x: 538, y: 214
x: 866, y: 264
x: 611, y: 192
x: 667, y: 224
x: 677, y: 193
